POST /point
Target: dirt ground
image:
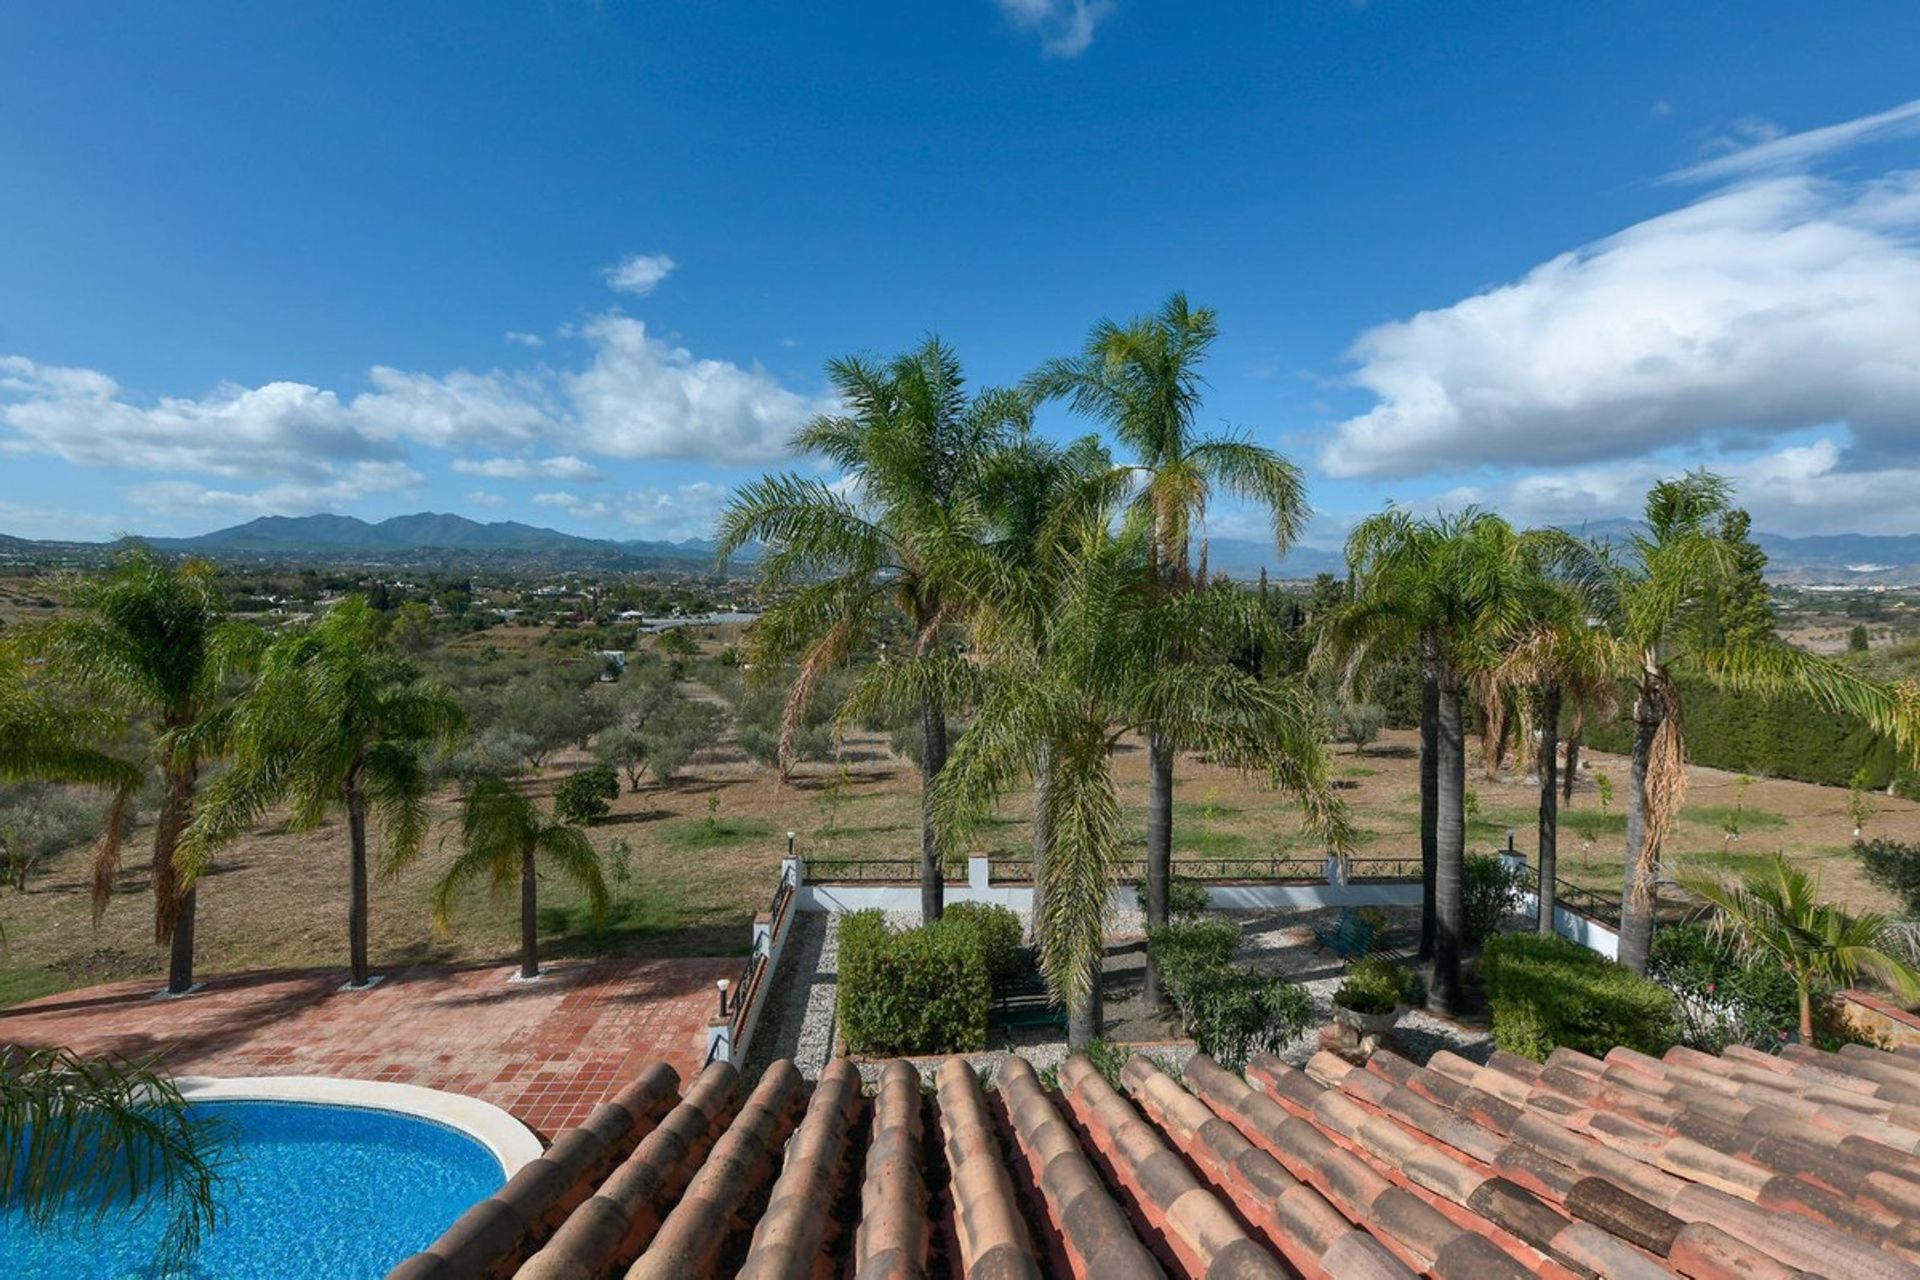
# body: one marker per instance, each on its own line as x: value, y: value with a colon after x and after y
x: 701, y: 856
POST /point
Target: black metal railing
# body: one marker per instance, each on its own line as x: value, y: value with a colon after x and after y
x: 1596, y: 905
x: 1277, y: 869
x: 1383, y: 869
x: 862, y: 870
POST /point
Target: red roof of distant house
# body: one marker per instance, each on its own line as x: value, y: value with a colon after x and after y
x: 1739, y: 1167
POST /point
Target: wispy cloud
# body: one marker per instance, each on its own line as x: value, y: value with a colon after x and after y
x: 1065, y: 27
x: 632, y: 396
x: 520, y: 338
x: 564, y: 467
x: 1766, y: 150
x: 573, y: 504
x: 481, y: 498
x: 1769, y: 308
x: 639, y: 273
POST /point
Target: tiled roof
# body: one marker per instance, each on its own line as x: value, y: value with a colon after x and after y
x: 1740, y: 1167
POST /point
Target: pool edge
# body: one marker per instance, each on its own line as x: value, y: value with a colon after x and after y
x: 509, y: 1141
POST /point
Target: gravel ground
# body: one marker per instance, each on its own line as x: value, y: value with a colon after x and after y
x: 799, y: 1019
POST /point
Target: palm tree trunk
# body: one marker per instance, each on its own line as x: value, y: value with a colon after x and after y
x: 1806, y: 1014
x: 1637, y: 904
x: 1450, y: 835
x: 357, y: 875
x: 174, y: 909
x: 529, y: 918
x: 1573, y: 767
x: 1159, y: 848
x: 180, y: 948
x: 1086, y: 1015
x: 1429, y: 792
x: 1042, y: 833
x: 933, y: 758
x: 1549, y: 859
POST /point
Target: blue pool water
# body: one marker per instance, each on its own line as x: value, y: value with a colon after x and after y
x: 309, y: 1191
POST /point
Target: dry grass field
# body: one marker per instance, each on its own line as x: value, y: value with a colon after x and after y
x: 701, y: 856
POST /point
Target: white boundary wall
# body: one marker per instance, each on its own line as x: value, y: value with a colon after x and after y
x: 979, y: 887
x: 1333, y: 892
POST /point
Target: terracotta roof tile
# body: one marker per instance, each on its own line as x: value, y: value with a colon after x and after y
x: 1738, y: 1167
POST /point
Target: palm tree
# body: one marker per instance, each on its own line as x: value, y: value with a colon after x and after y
x: 502, y: 836
x: 1100, y: 672
x: 1142, y: 379
x: 1776, y: 910
x: 106, y: 1137
x: 910, y: 448
x: 1451, y: 590
x: 151, y: 640
x: 1668, y: 587
x: 1036, y: 498
x: 1561, y: 657
x: 334, y: 719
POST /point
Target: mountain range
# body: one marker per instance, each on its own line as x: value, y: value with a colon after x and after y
x: 446, y: 540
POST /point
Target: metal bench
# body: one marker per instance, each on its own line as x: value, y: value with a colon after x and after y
x: 1350, y: 938
x: 1022, y: 1002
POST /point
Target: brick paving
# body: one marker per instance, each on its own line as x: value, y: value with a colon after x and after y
x: 546, y: 1051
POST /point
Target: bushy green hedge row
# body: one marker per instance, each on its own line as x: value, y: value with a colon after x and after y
x: 1788, y: 736
x: 924, y: 990
x: 1231, y: 1011
x: 1549, y: 992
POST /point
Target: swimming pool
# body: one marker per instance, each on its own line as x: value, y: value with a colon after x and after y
x: 311, y: 1190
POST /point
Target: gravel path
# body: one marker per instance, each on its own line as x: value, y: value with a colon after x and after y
x: 799, y: 1020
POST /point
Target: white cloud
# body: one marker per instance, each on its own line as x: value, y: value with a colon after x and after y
x: 1762, y: 148
x: 689, y: 511
x: 280, y: 428
x: 633, y: 396
x: 564, y: 467
x: 642, y: 398
x: 481, y: 498
x: 1773, y: 307
x: 521, y: 338
x: 1801, y: 488
x: 1065, y: 27
x: 639, y: 273
x: 573, y: 504
x: 346, y: 487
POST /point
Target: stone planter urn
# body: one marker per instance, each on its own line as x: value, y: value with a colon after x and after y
x: 1355, y: 1035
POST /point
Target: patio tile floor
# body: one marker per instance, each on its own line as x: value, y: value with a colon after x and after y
x: 546, y: 1051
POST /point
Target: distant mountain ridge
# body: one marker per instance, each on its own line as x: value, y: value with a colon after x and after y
x: 445, y: 539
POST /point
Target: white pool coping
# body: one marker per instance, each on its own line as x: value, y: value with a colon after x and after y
x: 510, y: 1142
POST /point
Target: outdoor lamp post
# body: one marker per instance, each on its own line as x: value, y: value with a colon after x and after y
x: 723, y: 984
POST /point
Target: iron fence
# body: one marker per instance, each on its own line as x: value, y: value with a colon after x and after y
x: 1383, y: 869
x: 862, y: 870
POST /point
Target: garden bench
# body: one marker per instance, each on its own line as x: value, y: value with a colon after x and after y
x: 1350, y: 938
x: 1022, y: 1002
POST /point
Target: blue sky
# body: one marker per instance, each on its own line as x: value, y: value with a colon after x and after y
x: 580, y: 263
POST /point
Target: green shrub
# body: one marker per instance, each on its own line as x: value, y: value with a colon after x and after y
x: 1893, y: 866
x: 1725, y: 997
x: 1234, y: 1012
x: 1376, y: 984
x: 1190, y: 947
x: 996, y: 931
x: 1547, y: 992
x: 1489, y: 893
x: 1230, y: 1011
x: 585, y: 796
x: 1186, y: 897
x: 914, y: 991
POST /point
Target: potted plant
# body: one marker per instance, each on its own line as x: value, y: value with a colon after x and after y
x: 1374, y: 995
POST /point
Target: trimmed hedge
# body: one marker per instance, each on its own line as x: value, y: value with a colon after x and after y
x: 925, y: 990
x: 996, y: 931
x: 1548, y: 992
x: 1785, y: 736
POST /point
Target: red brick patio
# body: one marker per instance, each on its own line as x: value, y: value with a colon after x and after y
x: 546, y: 1051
